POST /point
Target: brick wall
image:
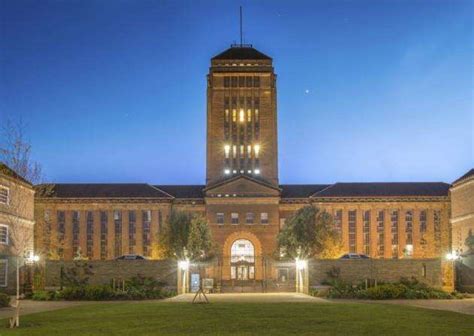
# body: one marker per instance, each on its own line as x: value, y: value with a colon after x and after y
x: 382, y: 270
x: 105, y: 271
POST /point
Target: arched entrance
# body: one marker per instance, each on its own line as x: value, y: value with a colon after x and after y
x: 242, y: 260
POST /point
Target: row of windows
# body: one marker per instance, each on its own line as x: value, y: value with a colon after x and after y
x: 394, y: 230
x: 234, y: 218
x: 103, y: 231
x: 242, y: 81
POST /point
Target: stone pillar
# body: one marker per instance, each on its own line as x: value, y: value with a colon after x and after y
x: 125, y: 230
x: 429, y: 235
x: 359, y: 230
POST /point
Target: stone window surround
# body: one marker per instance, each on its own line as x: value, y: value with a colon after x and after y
x: 4, y: 281
x: 5, y: 196
x: 5, y: 241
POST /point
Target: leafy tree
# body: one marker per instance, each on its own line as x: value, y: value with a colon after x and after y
x: 470, y: 242
x: 186, y: 236
x: 310, y: 232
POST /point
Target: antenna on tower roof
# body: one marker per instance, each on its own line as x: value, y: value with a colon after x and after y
x: 241, y: 35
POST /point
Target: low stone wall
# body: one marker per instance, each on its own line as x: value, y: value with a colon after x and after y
x: 387, y: 270
x: 102, y: 272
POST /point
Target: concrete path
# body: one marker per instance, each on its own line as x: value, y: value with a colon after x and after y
x: 251, y: 297
x: 465, y: 306
x: 30, y: 307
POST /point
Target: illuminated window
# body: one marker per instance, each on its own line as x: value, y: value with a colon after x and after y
x: 234, y: 81
x: 220, y: 218
x: 241, y: 115
x: 423, y: 221
x: 234, y: 217
x: 248, y: 81
x: 249, y: 218
x: 256, y: 149
x: 249, y: 115
x: 437, y: 230
x: 264, y: 218
x: 242, y: 150
x: 249, y: 151
x: 338, y: 220
x: 226, y: 151
x: 234, y: 151
x: 226, y: 81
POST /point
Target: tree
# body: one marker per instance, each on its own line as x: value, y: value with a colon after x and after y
x: 186, y: 232
x: 15, y: 152
x: 310, y: 232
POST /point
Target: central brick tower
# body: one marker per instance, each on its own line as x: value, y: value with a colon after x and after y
x: 241, y: 116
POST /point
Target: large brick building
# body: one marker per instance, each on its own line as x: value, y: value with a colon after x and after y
x: 242, y: 199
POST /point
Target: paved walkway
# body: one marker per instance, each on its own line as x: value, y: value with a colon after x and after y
x: 251, y: 297
x: 465, y: 306
x: 30, y: 307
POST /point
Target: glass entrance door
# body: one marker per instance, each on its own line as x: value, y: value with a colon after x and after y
x: 242, y: 272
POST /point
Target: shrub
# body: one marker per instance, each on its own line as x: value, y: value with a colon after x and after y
x: 4, y: 300
x: 382, y: 292
x: 43, y: 295
x: 99, y: 293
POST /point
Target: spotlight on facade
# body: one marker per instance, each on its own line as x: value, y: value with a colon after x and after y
x: 301, y: 264
x: 32, y: 258
x: 257, y: 171
x: 452, y: 256
x: 183, y: 265
x: 227, y: 171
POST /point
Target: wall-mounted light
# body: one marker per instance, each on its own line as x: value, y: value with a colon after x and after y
x: 227, y: 151
x: 183, y: 265
x: 256, y: 149
x: 301, y: 264
x: 453, y: 256
x: 227, y: 171
x: 257, y: 171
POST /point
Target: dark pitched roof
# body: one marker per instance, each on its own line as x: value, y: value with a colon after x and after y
x: 183, y: 191
x: 4, y: 169
x: 241, y: 53
x: 468, y: 174
x: 376, y: 189
x: 99, y: 190
x: 301, y: 190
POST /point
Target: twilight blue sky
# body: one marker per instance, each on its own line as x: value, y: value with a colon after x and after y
x: 114, y: 91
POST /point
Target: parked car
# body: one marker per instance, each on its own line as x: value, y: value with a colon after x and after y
x: 354, y: 256
x: 131, y: 257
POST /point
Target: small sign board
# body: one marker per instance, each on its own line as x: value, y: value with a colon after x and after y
x: 208, y: 283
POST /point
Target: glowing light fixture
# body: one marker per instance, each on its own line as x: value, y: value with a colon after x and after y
x: 301, y: 264
x: 257, y: 171
x: 227, y: 150
x: 452, y: 256
x: 227, y: 171
x: 183, y: 265
x: 256, y: 149
x: 241, y: 115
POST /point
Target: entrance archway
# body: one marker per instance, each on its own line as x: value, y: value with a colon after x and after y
x: 242, y: 260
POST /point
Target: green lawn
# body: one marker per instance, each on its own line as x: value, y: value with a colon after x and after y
x: 163, y: 318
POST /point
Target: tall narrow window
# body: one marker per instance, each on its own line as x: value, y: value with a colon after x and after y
x: 226, y: 81
x: 241, y: 81
x: 3, y: 234
x: 381, y: 233
x: 394, y: 231
x: 146, y: 217
x: 160, y: 221
x: 352, y: 231
x: 89, y: 234
x: 233, y: 81
x: 248, y: 81
x: 437, y: 231
x: 3, y: 272
x: 118, y: 233
x: 234, y: 217
x: 61, y: 222
x: 338, y: 221
x: 423, y: 221
x: 220, y: 218
x: 103, y: 234
x: 366, y: 229
x: 47, y: 230
x: 249, y: 218
x: 256, y: 81
x: 264, y: 218
x: 75, y: 232
x: 409, y: 227
x: 4, y: 195
x: 132, y: 231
